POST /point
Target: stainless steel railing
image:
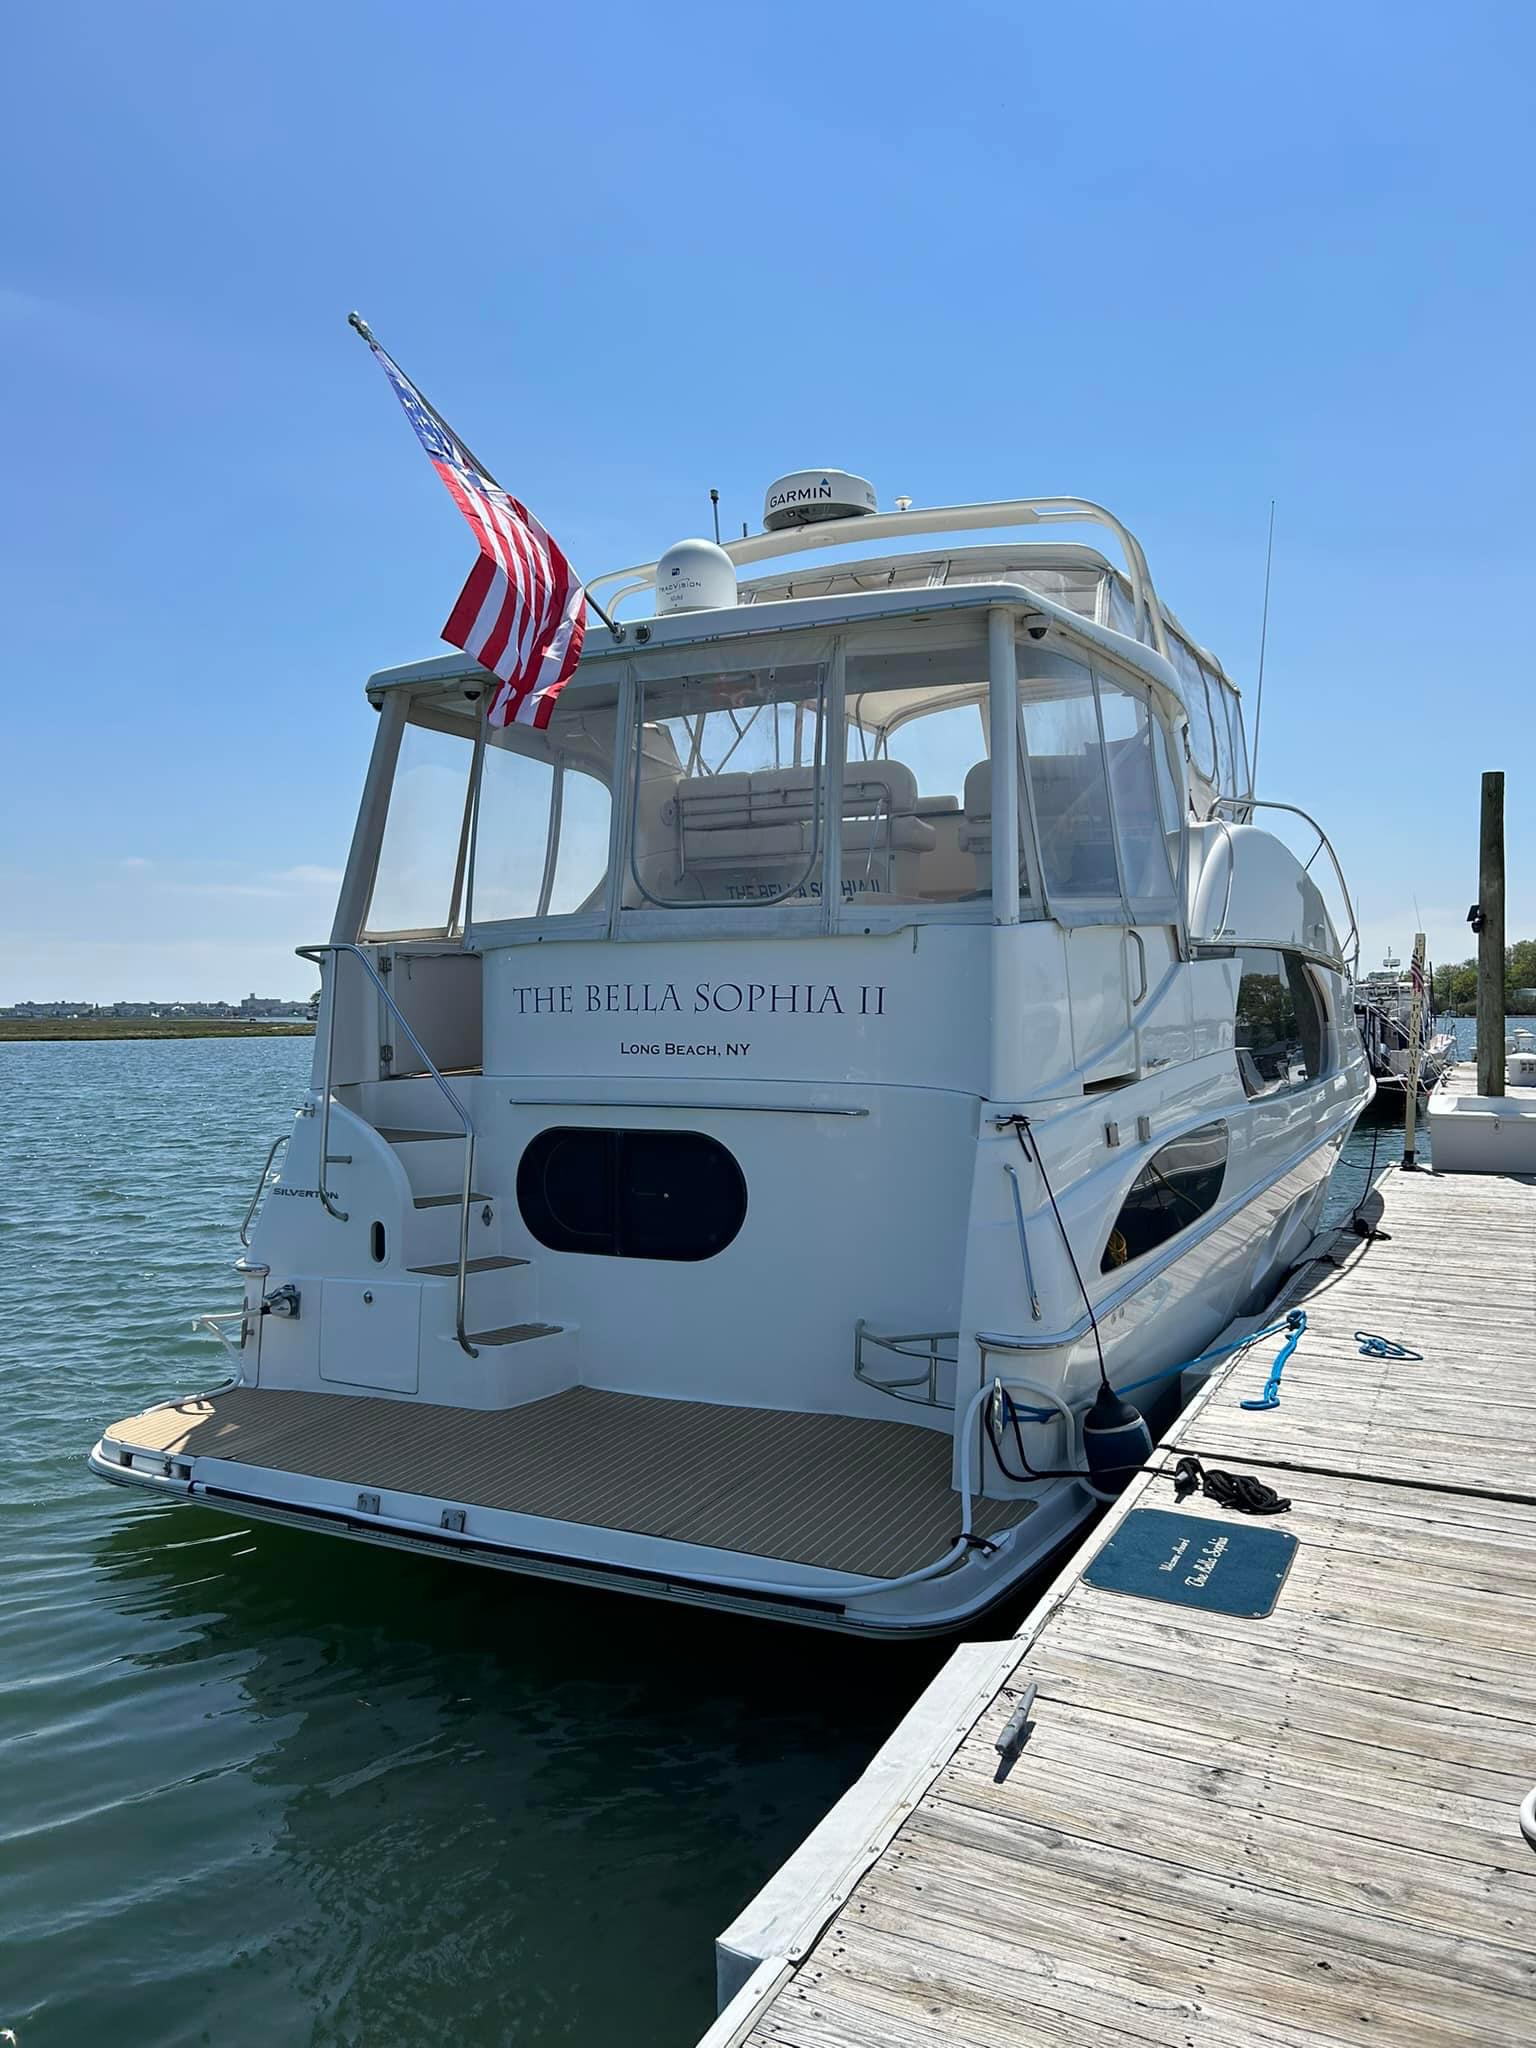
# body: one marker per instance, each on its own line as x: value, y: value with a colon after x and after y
x: 1349, y: 946
x: 261, y: 1182
x: 934, y: 1350
x: 317, y: 953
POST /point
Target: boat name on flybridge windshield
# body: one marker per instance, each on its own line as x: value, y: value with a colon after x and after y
x: 723, y: 998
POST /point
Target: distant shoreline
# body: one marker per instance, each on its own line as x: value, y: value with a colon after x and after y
x: 34, y: 1030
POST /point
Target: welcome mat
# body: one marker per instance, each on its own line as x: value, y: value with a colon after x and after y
x: 1193, y: 1561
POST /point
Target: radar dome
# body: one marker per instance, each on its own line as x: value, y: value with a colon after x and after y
x: 806, y: 495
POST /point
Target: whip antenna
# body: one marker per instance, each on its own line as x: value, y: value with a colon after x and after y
x: 1258, y: 705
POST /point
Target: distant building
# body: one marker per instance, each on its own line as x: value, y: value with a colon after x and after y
x: 254, y: 1005
x: 58, y: 1009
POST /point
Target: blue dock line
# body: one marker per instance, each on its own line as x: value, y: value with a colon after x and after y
x: 1292, y: 1323
x: 1270, y: 1398
x: 1372, y: 1346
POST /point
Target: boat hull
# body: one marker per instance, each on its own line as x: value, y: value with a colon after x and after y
x: 1234, y: 1267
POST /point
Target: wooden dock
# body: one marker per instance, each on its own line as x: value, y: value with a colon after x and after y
x: 1240, y: 1833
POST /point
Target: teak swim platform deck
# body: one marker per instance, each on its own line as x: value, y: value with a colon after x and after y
x: 1238, y: 1833
x: 839, y: 1491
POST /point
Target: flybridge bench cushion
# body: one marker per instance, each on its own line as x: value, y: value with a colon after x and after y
x: 976, y: 832
x: 767, y: 820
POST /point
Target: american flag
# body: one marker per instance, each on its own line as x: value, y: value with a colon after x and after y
x: 522, y: 613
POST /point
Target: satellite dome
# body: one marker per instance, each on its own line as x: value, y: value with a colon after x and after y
x: 695, y: 576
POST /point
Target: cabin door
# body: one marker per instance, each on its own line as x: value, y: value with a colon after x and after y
x: 438, y: 994
x: 1103, y: 977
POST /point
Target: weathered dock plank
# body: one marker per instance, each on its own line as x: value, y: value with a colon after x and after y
x: 1292, y: 1832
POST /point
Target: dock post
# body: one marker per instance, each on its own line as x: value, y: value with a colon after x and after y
x: 1415, y: 1054
x: 1490, y: 939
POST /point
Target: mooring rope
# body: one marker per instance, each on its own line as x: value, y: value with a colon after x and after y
x: 1240, y: 1491
x: 1372, y: 1346
x: 1270, y: 1398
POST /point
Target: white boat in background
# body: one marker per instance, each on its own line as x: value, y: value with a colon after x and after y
x: 1473, y: 1133
x: 741, y: 1112
x: 1384, y: 1013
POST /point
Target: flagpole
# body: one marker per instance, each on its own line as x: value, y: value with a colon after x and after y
x: 360, y: 325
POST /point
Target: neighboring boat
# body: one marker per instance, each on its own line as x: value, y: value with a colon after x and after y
x: 1384, y: 1013
x: 740, y: 1111
x: 1472, y: 1133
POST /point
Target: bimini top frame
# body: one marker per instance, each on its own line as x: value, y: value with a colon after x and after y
x: 879, y: 526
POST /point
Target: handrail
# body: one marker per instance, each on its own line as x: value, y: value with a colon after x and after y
x: 261, y: 1182
x: 345, y: 946
x: 899, y: 1344
x: 837, y: 533
x: 1324, y: 844
x: 1018, y: 1216
x: 213, y: 1324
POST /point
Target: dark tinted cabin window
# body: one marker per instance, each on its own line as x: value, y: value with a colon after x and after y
x: 631, y: 1194
x: 1178, y: 1184
x: 1279, y: 1023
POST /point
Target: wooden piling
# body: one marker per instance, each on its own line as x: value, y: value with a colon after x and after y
x: 1490, y: 939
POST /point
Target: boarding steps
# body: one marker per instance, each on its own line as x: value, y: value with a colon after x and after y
x: 500, y: 1297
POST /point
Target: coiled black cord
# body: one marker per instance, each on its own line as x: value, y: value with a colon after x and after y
x: 1237, y: 1490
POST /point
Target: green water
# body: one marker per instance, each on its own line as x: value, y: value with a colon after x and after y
x: 268, y: 1788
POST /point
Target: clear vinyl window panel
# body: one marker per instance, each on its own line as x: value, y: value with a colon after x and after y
x: 545, y: 815
x: 1231, y: 747
x: 425, y: 835
x: 729, y: 787
x: 1068, y: 780
x: 1102, y: 786
x: 1280, y: 1025
x: 1222, y: 707
x: 1202, y: 733
x: 916, y: 810
x: 1146, y: 831
x: 1240, y: 746
x: 1179, y: 1184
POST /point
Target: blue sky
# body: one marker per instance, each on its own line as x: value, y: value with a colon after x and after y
x: 1181, y: 258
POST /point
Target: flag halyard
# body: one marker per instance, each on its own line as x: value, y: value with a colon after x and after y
x: 522, y: 611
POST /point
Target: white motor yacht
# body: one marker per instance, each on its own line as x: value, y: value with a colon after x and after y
x: 754, y: 1118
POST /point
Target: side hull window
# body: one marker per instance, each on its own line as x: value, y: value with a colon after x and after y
x: 1177, y: 1186
x: 1280, y: 1025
